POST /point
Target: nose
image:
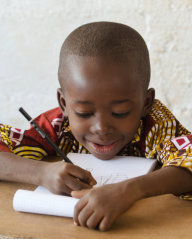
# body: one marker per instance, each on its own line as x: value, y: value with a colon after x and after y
x: 102, y: 126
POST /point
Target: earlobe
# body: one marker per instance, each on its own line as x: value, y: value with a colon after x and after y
x: 61, y: 101
x: 149, y: 100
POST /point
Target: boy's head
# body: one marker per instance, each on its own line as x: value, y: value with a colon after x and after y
x: 104, y: 73
x: 116, y: 41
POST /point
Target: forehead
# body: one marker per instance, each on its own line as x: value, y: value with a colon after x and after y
x: 101, y: 76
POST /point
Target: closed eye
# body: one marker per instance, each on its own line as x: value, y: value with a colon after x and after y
x: 120, y: 115
x: 84, y: 115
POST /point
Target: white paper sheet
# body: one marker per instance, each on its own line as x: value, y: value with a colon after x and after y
x: 114, y: 170
x: 42, y: 201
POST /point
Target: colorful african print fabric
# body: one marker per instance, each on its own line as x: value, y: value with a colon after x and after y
x: 160, y: 136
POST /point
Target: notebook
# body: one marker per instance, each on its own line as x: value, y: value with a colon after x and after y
x: 118, y: 169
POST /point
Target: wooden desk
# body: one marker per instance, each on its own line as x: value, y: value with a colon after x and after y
x: 158, y: 217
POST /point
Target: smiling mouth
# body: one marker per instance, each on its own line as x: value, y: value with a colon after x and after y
x: 104, y: 148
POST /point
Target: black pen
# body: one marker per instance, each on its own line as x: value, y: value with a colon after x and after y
x: 43, y: 135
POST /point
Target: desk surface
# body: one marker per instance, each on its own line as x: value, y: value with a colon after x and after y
x: 158, y: 217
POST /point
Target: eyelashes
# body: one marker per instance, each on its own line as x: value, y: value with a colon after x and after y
x: 120, y: 115
x: 116, y: 115
x: 84, y: 115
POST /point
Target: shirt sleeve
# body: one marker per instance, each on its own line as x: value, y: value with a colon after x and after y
x: 177, y: 152
x: 176, y: 149
x: 5, y: 142
x: 28, y: 143
x: 168, y: 141
x: 4, y: 147
x: 162, y: 127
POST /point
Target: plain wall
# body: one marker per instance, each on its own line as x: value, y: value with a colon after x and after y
x: 31, y: 34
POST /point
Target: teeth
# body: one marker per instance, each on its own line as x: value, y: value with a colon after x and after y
x: 103, y: 148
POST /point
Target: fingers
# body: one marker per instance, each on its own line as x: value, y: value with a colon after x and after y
x: 87, y: 217
x: 106, y: 223
x: 79, y: 206
x: 61, y: 189
x: 79, y: 194
x: 69, y: 184
x: 61, y: 177
x: 77, y: 172
x: 75, y: 184
x: 94, y: 220
x: 83, y: 216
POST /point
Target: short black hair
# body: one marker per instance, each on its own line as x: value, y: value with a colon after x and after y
x: 107, y: 39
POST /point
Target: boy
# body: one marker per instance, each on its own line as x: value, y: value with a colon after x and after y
x: 106, y: 109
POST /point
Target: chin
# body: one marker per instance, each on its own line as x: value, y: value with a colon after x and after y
x: 103, y: 156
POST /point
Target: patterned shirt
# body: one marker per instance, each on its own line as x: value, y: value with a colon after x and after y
x: 159, y: 136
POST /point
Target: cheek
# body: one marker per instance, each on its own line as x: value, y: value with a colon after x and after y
x: 78, y: 127
x: 130, y: 126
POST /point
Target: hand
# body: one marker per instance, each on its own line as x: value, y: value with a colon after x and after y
x: 62, y: 178
x: 100, y: 207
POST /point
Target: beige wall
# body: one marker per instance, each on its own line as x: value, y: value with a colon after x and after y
x: 32, y: 31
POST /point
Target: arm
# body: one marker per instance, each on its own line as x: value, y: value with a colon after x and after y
x: 58, y: 177
x: 175, y: 180
x: 19, y: 169
x: 100, y: 207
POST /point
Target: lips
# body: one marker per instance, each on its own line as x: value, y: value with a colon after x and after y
x: 104, y: 148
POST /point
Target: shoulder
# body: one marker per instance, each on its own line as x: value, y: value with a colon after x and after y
x: 162, y: 116
x: 51, y: 114
x: 52, y: 118
x: 161, y: 124
x: 159, y: 112
x: 158, y: 119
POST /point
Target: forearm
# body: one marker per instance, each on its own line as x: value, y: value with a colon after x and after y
x: 18, y: 169
x: 58, y: 177
x: 175, y: 180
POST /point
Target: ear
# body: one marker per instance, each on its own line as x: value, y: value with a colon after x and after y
x: 148, y: 102
x: 61, y: 101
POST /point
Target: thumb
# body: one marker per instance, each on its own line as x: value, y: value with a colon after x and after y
x: 79, y: 194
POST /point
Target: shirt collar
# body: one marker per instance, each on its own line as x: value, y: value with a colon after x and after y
x: 137, y: 136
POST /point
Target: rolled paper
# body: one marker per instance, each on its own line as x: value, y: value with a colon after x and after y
x: 42, y: 203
